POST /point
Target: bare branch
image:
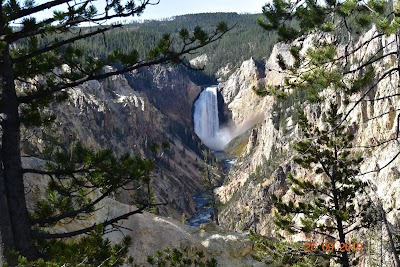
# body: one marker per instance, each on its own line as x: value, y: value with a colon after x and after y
x: 57, y: 172
x: 29, y: 11
x: 88, y: 229
x: 367, y: 91
x: 369, y: 62
x: 166, y: 58
x: 61, y: 43
x: 71, y: 214
x: 381, y: 168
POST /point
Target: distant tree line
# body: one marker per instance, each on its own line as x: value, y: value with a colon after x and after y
x: 244, y: 41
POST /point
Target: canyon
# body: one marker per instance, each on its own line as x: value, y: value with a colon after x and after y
x: 129, y: 112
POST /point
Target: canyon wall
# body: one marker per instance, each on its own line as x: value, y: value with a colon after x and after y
x: 266, y: 158
x: 128, y: 113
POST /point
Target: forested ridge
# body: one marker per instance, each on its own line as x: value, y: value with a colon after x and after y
x: 305, y: 177
x: 245, y: 40
x: 41, y: 66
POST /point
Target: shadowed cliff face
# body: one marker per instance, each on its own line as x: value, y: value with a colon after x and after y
x: 168, y: 89
x: 128, y: 117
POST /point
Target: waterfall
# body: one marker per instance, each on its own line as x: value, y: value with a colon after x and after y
x: 206, y: 120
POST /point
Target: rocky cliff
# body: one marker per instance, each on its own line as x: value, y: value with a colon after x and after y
x: 262, y: 167
x: 149, y: 232
x: 128, y: 113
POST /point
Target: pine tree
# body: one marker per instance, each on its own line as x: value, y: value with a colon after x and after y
x: 281, y: 253
x: 338, y: 58
x: 335, y: 58
x: 335, y: 208
x: 185, y: 257
x: 46, y: 72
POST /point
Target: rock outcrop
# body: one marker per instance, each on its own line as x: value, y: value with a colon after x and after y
x: 239, y: 96
x: 262, y: 169
x: 200, y: 61
x: 128, y: 113
x: 150, y: 232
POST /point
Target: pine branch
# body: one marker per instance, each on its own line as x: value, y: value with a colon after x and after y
x: 367, y: 42
x: 45, y: 49
x: 41, y: 27
x: 71, y: 214
x: 57, y: 172
x: 29, y: 11
x: 171, y: 57
x: 125, y: 216
x: 326, y: 170
x: 321, y: 192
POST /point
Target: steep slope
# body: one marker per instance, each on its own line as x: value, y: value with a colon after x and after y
x: 261, y: 170
x: 150, y: 232
x: 128, y: 113
x: 169, y: 89
x: 128, y: 117
x: 240, y: 43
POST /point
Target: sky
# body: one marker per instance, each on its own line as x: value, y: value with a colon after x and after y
x: 170, y: 8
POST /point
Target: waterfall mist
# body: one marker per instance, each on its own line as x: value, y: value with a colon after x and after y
x: 206, y: 120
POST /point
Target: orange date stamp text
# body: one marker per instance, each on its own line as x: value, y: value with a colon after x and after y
x: 330, y: 247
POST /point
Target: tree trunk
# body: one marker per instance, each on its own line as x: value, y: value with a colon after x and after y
x: 342, y: 239
x: 6, y: 236
x: 339, y: 221
x: 14, y: 204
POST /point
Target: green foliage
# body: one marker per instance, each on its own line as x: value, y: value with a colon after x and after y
x: 328, y: 152
x: 77, y: 172
x: 328, y: 24
x: 274, y: 91
x: 322, y: 53
x: 276, y: 11
x: 294, y: 19
x: 91, y: 250
x: 313, y: 79
x: 238, y: 150
x: 45, y: 58
x: 363, y: 81
x: 230, y: 50
x: 289, y: 106
x: 186, y: 257
x: 284, y: 254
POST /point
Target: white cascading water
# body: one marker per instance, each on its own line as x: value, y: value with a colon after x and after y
x: 206, y: 121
